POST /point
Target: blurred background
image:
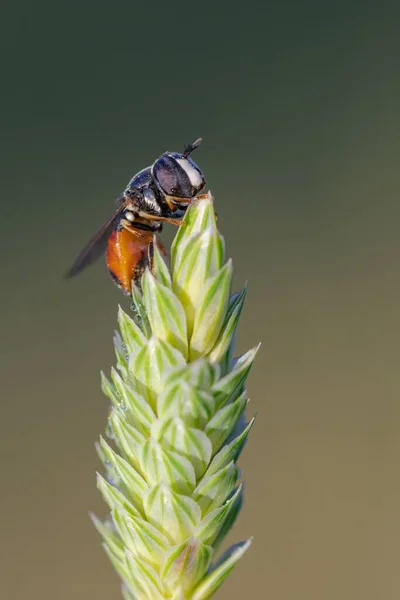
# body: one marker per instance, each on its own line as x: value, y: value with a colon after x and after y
x: 299, y: 107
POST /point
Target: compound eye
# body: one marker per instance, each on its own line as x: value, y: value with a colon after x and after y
x: 165, y: 174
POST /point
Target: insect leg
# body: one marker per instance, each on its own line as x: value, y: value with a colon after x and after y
x: 150, y: 217
x: 173, y: 201
x: 142, y: 235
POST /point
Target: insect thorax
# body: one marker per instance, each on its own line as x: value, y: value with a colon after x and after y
x: 151, y: 202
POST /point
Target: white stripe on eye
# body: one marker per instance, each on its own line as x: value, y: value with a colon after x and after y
x: 194, y: 176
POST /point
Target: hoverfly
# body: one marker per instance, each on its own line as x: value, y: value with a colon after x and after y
x: 158, y: 194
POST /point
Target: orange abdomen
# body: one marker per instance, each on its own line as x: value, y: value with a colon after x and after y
x: 128, y: 255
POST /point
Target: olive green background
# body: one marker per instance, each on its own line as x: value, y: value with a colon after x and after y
x: 298, y: 103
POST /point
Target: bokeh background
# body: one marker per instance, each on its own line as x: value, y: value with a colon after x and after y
x: 299, y: 107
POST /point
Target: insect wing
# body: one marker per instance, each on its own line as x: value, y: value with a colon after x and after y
x: 95, y: 247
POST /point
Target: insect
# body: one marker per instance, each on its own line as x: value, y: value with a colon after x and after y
x: 158, y: 194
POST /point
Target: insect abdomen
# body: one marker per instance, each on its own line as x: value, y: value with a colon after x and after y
x: 127, y: 256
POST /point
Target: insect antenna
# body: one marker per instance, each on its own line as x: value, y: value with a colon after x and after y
x: 190, y: 147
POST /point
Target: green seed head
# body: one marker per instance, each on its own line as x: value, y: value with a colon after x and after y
x: 176, y: 422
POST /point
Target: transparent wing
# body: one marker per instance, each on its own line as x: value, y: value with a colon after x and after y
x: 95, y: 247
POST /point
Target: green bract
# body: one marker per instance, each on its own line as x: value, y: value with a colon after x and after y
x: 177, y: 422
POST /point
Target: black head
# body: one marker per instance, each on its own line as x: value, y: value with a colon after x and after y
x: 177, y: 174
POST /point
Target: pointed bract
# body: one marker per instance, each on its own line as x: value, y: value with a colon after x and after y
x: 201, y: 374
x: 143, y: 578
x: 224, y: 421
x: 190, y: 403
x: 199, y: 217
x: 213, y: 580
x: 166, y: 315
x: 186, y: 564
x: 215, y: 522
x: 202, y: 261
x: 193, y: 444
x: 228, y: 330
x: 114, y: 497
x: 110, y: 537
x: 132, y: 336
x: 137, y: 411
x: 121, y: 354
x: 126, y: 437
x: 231, y: 385
x: 175, y: 515
x: 140, y: 537
x: 210, y: 317
x: 166, y: 467
x: 151, y: 364
x: 160, y: 269
x: 126, y: 476
x: 212, y: 491
x: 229, y: 452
